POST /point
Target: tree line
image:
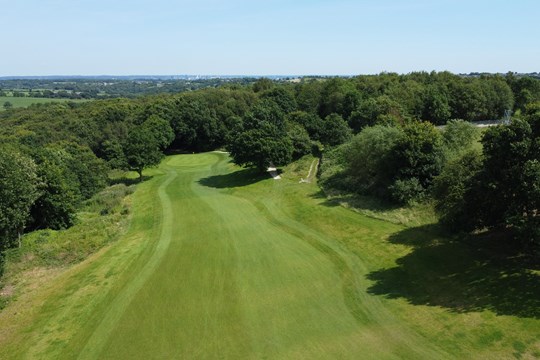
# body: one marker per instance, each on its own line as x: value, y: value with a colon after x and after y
x: 379, y: 128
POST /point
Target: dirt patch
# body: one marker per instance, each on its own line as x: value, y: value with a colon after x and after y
x: 7, y: 291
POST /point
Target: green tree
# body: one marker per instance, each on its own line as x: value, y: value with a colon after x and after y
x: 416, y: 159
x: 8, y: 105
x: 506, y: 190
x: 451, y: 186
x: 160, y: 129
x: 90, y: 171
x: 436, y: 107
x: 311, y: 122
x: 368, y: 156
x: 334, y: 130
x: 18, y: 191
x: 59, y: 191
x: 142, y: 150
x: 262, y: 139
x: 282, y: 97
x: 300, y: 140
x: 459, y: 136
x: 376, y: 111
x: 263, y: 84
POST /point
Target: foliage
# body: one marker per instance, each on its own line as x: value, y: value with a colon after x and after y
x: 18, y: 191
x: 450, y: 187
x: 436, y: 107
x: 142, y: 150
x: 91, y: 171
x: 459, y: 136
x: 283, y: 97
x: 160, y: 130
x: 300, y: 140
x: 334, y: 130
x: 59, y: 191
x: 405, y: 191
x: 368, y: 157
x: 416, y: 159
x: 376, y: 111
x: 503, y: 191
x: 263, y: 139
x: 311, y: 122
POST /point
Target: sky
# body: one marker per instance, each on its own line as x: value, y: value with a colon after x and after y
x: 270, y: 37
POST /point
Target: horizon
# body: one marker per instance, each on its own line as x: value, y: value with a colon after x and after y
x: 239, y: 76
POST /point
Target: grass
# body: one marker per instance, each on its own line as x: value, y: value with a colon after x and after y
x: 20, y: 102
x: 220, y: 262
x: 102, y: 219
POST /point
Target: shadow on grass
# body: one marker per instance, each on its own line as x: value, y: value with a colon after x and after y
x: 129, y: 181
x: 236, y: 179
x: 355, y: 201
x: 483, y: 273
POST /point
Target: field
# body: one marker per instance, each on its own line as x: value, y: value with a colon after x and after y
x: 220, y: 262
x: 19, y: 102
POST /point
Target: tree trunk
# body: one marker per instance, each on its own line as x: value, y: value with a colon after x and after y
x: 140, y: 175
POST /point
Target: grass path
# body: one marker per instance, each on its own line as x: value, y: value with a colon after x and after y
x: 221, y: 265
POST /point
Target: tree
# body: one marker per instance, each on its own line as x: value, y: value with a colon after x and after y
x: 59, y: 191
x: 416, y: 159
x: 451, y: 186
x: 459, y: 136
x: 436, y: 107
x: 142, y: 150
x: 18, y: 191
x: 300, y: 140
x: 90, y: 171
x: 263, y: 84
x: 334, y: 130
x: 368, y: 156
x: 262, y: 140
x: 381, y: 110
x: 506, y: 190
x: 261, y: 147
x: 8, y: 105
x: 311, y: 122
x: 282, y: 97
x: 160, y: 129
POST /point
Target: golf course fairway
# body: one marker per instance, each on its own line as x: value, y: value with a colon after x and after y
x: 220, y: 263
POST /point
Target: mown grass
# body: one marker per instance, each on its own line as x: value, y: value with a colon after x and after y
x: 220, y: 262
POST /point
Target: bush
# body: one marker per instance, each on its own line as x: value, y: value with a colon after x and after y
x: 300, y: 140
x: 367, y: 158
x: 419, y: 154
x: 406, y: 191
x: 450, y: 187
x: 459, y: 136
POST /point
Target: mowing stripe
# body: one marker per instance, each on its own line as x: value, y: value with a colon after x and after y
x: 95, y: 344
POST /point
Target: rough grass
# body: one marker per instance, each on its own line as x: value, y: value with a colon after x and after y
x: 101, y: 220
x: 221, y: 262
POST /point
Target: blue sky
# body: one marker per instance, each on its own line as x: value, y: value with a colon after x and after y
x: 93, y: 37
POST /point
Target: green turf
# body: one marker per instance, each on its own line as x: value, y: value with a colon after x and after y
x: 19, y: 102
x: 221, y: 263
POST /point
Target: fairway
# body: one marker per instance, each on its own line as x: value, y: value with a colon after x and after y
x: 222, y: 264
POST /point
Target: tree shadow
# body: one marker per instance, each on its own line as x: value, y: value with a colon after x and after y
x: 129, y: 181
x: 238, y: 178
x: 483, y: 273
x: 356, y: 201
